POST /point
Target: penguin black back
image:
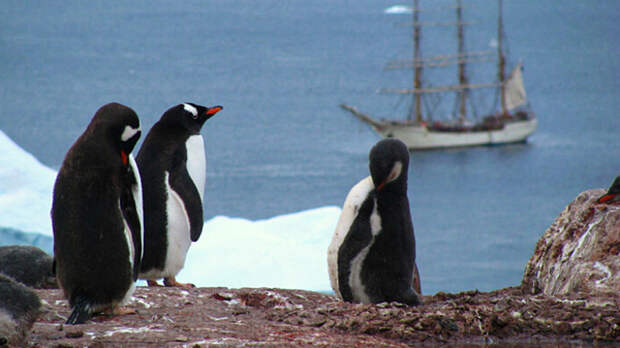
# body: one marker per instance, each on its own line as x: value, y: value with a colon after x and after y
x: 96, y: 213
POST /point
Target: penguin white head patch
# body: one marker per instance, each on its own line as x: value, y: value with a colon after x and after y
x: 129, y: 132
x: 191, y: 109
x: 396, y: 170
x: 394, y: 174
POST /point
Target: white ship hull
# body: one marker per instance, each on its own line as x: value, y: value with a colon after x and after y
x: 420, y: 137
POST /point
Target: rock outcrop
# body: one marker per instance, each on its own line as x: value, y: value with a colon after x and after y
x: 580, y: 252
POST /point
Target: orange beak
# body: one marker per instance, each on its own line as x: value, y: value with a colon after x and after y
x: 214, y: 110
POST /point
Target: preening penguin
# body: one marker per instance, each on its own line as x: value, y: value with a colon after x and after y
x: 371, y: 258
x: 97, y: 215
x: 172, y: 164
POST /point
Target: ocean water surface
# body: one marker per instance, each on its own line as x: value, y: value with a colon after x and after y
x: 281, y: 145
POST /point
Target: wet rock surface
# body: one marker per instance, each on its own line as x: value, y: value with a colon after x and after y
x: 580, y: 252
x: 170, y: 317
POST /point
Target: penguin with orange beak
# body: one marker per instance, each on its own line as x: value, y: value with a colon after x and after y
x: 173, y: 169
x: 613, y: 193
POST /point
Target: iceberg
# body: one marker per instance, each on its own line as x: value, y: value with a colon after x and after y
x: 286, y: 251
x: 398, y: 9
x: 26, y: 188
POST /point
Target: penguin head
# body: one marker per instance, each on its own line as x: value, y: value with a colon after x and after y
x: 189, y: 116
x: 389, y: 163
x: 612, y: 192
x: 119, y: 126
x: 615, y: 186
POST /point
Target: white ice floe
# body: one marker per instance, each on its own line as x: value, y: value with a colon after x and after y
x: 398, y: 9
x: 287, y: 251
x: 26, y: 188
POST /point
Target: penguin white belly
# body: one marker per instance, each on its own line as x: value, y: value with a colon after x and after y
x: 178, y: 232
x: 197, y: 162
x: 136, y: 190
x: 132, y: 251
x: 358, y: 290
x: 350, y: 209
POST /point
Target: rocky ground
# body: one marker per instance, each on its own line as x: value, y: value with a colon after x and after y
x: 569, y: 297
x: 171, y: 317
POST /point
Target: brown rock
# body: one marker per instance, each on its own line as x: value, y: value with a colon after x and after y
x: 580, y: 252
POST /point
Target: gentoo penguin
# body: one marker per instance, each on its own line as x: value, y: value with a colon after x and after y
x: 172, y: 165
x: 97, y: 215
x: 28, y: 265
x: 371, y: 258
x: 613, y: 193
x: 19, y: 309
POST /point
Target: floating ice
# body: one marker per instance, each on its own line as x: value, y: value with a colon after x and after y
x: 287, y: 251
x: 26, y: 188
x: 398, y: 9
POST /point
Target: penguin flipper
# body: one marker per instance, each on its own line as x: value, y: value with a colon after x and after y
x: 131, y: 206
x: 182, y: 184
x: 81, y: 312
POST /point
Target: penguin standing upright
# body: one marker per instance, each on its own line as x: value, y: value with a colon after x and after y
x: 172, y: 164
x: 371, y: 258
x: 97, y: 215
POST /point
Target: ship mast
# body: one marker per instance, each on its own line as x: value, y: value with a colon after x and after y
x: 417, y: 71
x: 501, y: 61
x: 462, y: 76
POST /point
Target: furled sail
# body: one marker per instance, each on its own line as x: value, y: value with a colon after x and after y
x: 515, y: 91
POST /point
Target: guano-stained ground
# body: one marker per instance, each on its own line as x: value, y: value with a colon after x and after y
x: 203, y: 317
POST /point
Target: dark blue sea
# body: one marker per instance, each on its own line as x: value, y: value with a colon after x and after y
x: 282, y: 144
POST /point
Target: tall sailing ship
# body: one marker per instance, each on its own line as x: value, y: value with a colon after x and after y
x: 513, y: 122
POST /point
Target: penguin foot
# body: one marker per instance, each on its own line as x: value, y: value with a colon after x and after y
x: 119, y: 311
x: 172, y: 282
x: 153, y: 283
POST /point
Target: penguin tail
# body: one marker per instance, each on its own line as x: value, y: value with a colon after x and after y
x: 81, y: 311
x: 412, y: 298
